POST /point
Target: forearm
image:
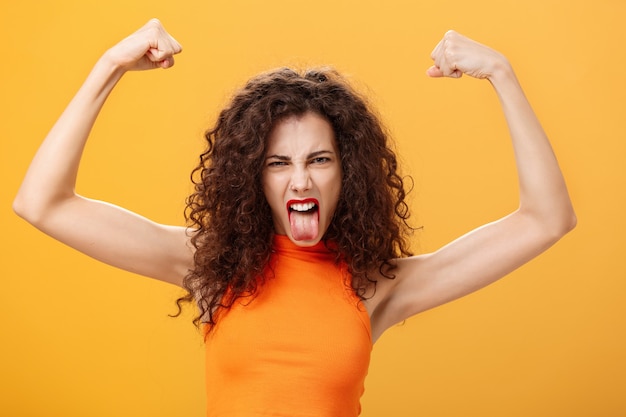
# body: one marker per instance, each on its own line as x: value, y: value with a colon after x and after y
x: 51, y: 177
x: 543, y: 193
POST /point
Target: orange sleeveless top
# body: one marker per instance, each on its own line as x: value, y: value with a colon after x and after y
x: 300, y: 347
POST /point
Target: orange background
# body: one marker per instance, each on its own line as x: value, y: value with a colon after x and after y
x: 83, y: 339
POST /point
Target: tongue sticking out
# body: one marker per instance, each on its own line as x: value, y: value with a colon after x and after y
x: 304, y: 225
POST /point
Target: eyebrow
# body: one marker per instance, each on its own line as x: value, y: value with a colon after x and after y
x: 309, y: 156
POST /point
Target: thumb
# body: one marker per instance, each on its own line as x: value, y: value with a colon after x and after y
x: 434, y: 72
x: 159, y: 58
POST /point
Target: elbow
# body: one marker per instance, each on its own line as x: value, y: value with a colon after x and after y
x: 18, y: 206
x: 568, y: 220
x: 572, y: 222
x: 39, y: 207
x: 562, y: 225
x: 23, y: 210
x: 30, y: 209
x: 551, y: 225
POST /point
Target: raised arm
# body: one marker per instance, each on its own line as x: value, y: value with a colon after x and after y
x: 488, y: 253
x: 47, y: 198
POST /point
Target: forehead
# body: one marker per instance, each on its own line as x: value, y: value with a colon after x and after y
x: 301, y: 134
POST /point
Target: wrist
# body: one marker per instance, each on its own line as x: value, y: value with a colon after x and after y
x: 502, y: 73
x: 102, y: 79
x: 108, y: 63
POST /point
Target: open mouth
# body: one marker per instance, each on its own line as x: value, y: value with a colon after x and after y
x: 303, y: 218
x: 303, y: 207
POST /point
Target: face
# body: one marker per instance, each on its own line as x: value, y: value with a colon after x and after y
x: 302, y: 177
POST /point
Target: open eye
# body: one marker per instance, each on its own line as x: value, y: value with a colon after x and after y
x: 320, y: 160
x: 276, y: 163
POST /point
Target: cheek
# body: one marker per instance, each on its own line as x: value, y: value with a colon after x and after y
x: 267, y: 189
x: 272, y: 192
x: 334, y: 186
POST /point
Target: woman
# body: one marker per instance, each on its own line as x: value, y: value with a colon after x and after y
x: 295, y: 254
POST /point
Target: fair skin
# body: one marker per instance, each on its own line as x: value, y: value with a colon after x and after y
x: 48, y: 200
x: 302, y: 169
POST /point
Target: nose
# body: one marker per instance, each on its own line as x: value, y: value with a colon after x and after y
x: 300, y: 180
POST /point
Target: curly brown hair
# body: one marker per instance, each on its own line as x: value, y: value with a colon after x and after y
x: 228, y: 212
